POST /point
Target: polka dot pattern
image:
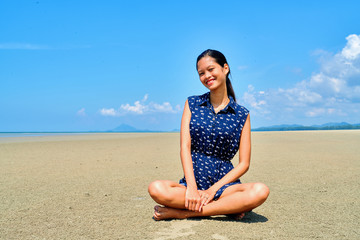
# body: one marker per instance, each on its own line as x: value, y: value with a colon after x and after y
x: 215, y: 139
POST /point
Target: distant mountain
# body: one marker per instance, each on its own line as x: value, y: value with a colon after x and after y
x: 127, y: 128
x: 295, y: 127
x: 332, y: 124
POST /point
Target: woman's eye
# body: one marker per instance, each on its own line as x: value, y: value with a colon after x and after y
x: 210, y: 69
x: 200, y: 74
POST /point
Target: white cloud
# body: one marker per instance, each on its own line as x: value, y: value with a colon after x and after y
x: 81, y: 112
x: 137, y: 108
x: 141, y: 107
x: 108, y: 112
x: 352, y: 49
x: 334, y: 90
x: 250, y: 97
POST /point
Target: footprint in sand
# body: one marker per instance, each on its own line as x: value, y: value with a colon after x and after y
x: 177, y: 229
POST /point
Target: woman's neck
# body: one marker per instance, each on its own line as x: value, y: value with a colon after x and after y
x: 218, y: 97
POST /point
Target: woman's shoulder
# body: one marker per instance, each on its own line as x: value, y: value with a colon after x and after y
x: 198, y: 99
x: 240, y: 109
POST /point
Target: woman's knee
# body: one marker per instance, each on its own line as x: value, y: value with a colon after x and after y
x: 154, y: 188
x: 261, y: 191
x: 157, y: 189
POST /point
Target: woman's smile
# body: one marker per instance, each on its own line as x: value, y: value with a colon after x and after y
x: 210, y: 81
x: 211, y: 74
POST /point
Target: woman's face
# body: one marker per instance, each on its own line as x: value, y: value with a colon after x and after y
x: 211, y: 74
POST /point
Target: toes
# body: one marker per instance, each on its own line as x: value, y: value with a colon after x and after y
x: 157, y: 212
x: 157, y: 208
x: 155, y: 217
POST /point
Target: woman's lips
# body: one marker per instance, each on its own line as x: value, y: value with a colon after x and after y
x: 210, y: 81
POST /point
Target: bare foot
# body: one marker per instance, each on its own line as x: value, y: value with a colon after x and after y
x: 236, y: 217
x: 161, y: 213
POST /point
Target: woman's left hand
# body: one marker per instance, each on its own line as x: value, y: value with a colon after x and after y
x: 206, y: 197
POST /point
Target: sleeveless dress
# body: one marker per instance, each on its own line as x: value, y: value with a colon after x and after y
x: 215, y: 140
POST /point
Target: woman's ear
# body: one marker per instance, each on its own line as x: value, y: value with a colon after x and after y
x: 226, y: 68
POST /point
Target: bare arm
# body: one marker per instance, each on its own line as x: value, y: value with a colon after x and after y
x: 192, y: 197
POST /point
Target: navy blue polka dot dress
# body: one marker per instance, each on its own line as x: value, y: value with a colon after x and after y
x: 215, y: 140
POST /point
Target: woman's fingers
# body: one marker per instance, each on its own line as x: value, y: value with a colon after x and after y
x: 194, y: 204
x: 204, y: 198
x: 192, y: 199
x: 207, y: 198
x: 202, y: 204
x: 198, y: 204
x: 190, y: 205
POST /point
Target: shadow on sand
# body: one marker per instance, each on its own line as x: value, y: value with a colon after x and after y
x: 250, y: 217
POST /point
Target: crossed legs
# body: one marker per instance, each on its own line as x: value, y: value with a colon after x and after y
x: 236, y: 199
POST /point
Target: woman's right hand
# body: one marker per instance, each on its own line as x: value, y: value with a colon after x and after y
x: 192, y: 199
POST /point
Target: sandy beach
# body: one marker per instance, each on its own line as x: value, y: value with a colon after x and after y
x: 94, y: 186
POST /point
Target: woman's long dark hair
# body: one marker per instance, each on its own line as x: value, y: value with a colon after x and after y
x: 221, y: 60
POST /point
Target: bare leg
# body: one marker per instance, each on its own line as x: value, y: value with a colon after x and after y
x: 236, y: 199
x: 168, y: 193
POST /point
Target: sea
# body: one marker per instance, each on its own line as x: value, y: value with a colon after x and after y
x: 37, y: 134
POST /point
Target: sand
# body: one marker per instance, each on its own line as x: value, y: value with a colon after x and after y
x: 95, y: 187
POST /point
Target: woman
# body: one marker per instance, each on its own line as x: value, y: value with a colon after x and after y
x: 213, y: 128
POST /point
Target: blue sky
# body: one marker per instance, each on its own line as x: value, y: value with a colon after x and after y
x: 93, y: 65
